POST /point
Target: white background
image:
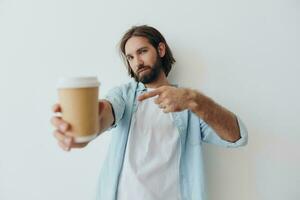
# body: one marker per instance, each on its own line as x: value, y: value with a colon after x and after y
x: 243, y: 54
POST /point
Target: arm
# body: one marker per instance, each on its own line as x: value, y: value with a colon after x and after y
x: 172, y: 99
x: 219, y: 118
x: 106, y: 115
x: 65, y: 137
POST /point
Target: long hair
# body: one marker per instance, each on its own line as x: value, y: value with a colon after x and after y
x: 154, y: 37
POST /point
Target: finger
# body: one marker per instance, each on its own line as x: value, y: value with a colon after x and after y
x: 162, y: 106
x: 168, y: 109
x: 163, y: 103
x: 56, y: 108
x: 158, y: 100
x: 66, y: 142
x: 63, y: 146
x: 71, y: 143
x: 172, y: 108
x: 59, y: 135
x: 149, y: 94
x: 59, y: 123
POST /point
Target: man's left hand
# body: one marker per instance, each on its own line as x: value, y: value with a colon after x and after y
x: 171, y: 99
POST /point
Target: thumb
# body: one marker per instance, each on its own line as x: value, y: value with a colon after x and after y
x: 101, y: 108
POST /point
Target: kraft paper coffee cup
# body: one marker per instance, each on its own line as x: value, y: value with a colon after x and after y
x: 78, y: 98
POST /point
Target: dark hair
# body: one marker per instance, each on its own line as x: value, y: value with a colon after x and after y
x: 154, y: 37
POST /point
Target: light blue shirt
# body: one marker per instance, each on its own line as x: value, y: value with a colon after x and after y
x: 193, y: 132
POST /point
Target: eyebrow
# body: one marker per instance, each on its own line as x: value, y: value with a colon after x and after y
x: 139, y: 49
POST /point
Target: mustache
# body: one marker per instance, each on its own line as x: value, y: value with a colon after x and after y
x: 142, y: 67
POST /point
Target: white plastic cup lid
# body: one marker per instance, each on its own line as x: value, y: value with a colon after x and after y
x: 78, y: 82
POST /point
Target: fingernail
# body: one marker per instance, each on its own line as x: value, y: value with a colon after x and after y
x: 63, y: 127
x: 67, y: 141
x: 66, y: 148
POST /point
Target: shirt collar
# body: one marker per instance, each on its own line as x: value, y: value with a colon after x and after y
x: 141, y: 86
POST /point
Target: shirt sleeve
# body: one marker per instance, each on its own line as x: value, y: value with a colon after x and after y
x: 208, y: 135
x: 115, y: 97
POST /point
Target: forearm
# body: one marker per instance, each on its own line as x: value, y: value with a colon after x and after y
x: 106, y: 117
x: 219, y: 118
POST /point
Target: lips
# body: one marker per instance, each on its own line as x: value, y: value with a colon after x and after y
x: 143, y: 69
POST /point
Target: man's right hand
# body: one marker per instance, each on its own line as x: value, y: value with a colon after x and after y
x: 63, y: 133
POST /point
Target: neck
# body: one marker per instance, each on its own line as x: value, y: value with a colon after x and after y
x: 160, y: 81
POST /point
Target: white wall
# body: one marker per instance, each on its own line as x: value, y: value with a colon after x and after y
x: 244, y: 54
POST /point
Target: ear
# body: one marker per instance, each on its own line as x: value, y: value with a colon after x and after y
x: 161, y: 49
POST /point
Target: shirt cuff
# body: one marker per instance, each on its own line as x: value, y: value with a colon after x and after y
x: 243, y: 133
x: 118, y: 108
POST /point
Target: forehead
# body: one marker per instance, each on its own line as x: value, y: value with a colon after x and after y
x: 136, y: 42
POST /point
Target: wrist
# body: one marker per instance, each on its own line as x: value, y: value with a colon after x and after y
x: 193, y: 102
x: 199, y: 103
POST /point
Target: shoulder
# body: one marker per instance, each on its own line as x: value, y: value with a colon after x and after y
x: 126, y: 86
x: 124, y: 89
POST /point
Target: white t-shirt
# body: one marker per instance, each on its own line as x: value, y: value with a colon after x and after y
x: 151, y: 164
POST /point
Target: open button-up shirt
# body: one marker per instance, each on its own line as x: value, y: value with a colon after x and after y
x: 193, y: 132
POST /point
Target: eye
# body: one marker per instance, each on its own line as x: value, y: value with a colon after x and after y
x: 129, y: 58
x: 142, y: 51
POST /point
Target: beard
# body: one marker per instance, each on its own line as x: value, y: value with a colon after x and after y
x: 152, y: 75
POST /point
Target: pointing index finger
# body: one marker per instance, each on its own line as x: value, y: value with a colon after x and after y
x: 149, y: 94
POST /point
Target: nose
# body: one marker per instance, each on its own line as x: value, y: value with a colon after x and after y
x: 139, y: 62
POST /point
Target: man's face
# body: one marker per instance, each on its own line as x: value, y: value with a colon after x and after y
x: 143, y: 59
